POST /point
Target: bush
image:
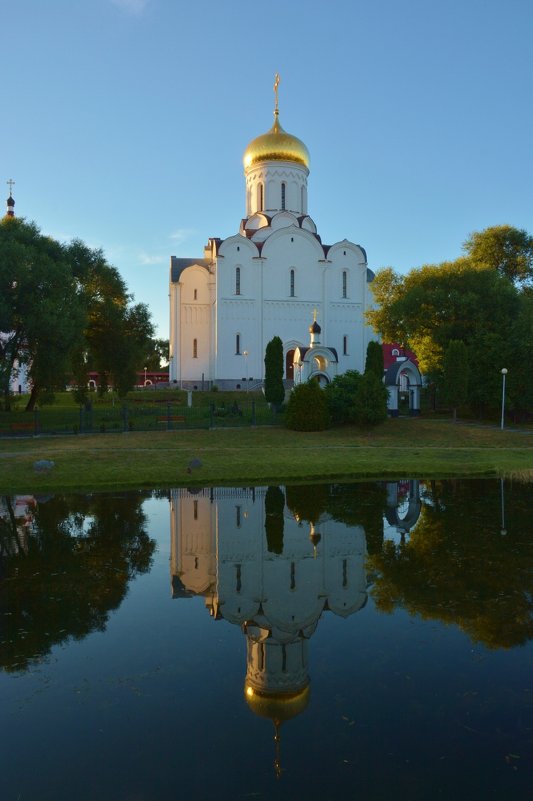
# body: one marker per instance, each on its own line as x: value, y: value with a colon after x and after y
x: 307, y: 408
x: 356, y: 398
x: 341, y: 396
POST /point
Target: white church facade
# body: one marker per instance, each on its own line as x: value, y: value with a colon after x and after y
x: 272, y: 278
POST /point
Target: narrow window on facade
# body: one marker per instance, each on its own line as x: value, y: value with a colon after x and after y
x: 292, y: 284
x: 283, y: 191
x: 237, y: 344
x: 238, y: 583
x: 195, y: 348
x: 195, y: 509
x: 345, y: 345
x: 344, y: 284
x: 304, y: 200
x: 237, y: 280
x: 293, y: 576
x: 248, y: 202
x: 238, y: 516
x: 196, y: 294
x: 260, y: 197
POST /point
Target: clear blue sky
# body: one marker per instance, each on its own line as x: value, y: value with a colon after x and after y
x: 124, y: 121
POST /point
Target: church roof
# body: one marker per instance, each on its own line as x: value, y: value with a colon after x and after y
x: 177, y: 266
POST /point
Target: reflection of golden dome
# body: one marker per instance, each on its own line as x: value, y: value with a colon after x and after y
x: 276, y: 706
x: 276, y: 145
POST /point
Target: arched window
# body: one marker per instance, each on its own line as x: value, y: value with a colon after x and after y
x: 195, y: 348
x: 345, y: 345
x: 395, y: 352
x: 304, y: 200
x: 237, y: 280
x: 260, y: 197
x: 283, y: 194
x: 292, y: 283
x: 344, y: 284
x: 237, y: 344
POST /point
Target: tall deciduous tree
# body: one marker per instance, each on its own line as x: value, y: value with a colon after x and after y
x: 505, y: 249
x: 41, y: 310
x: 64, y: 310
x: 274, y: 389
x: 455, y: 371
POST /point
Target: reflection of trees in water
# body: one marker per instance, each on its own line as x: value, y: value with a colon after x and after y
x: 458, y: 566
x: 74, y: 569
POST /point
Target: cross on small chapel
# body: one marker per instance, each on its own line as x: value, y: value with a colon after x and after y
x: 11, y: 184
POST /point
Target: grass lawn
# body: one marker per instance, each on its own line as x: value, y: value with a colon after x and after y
x: 410, y: 448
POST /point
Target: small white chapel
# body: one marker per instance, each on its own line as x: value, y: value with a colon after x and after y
x: 275, y: 277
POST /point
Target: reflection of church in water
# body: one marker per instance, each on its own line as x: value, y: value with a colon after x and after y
x: 263, y: 567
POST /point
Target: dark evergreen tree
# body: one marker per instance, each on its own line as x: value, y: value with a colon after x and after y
x: 374, y: 359
x: 274, y: 389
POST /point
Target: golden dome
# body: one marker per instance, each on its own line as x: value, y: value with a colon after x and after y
x: 276, y: 145
x: 276, y: 706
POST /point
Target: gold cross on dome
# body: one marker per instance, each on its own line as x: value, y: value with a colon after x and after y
x: 11, y: 184
x: 276, y: 84
x: 314, y: 315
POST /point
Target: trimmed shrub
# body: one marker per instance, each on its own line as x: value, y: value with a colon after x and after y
x: 307, y: 408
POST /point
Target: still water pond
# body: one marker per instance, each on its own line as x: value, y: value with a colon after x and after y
x: 345, y: 641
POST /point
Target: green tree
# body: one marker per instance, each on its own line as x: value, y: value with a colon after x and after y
x: 64, y: 311
x: 454, y: 383
x: 157, y: 354
x: 118, y: 334
x: 274, y: 389
x: 41, y: 310
x: 505, y: 249
x: 307, y: 408
x: 370, y: 405
x: 374, y: 359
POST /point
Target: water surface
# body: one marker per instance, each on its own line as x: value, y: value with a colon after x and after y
x: 345, y: 641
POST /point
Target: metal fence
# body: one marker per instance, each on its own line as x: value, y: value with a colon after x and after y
x: 135, y: 417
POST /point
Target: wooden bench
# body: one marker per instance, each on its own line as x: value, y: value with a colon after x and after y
x: 26, y: 426
x: 173, y: 418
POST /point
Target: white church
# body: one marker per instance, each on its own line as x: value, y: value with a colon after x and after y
x: 274, y: 277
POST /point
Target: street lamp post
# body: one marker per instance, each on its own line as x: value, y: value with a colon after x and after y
x: 245, y: 354
x: 145, y: 369
x: 504, y: 373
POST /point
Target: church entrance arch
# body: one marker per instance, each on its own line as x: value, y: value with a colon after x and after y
x: 403, y: 382
x: 289, y: 366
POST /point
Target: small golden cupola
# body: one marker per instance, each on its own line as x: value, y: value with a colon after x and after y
x: 276, y: 144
